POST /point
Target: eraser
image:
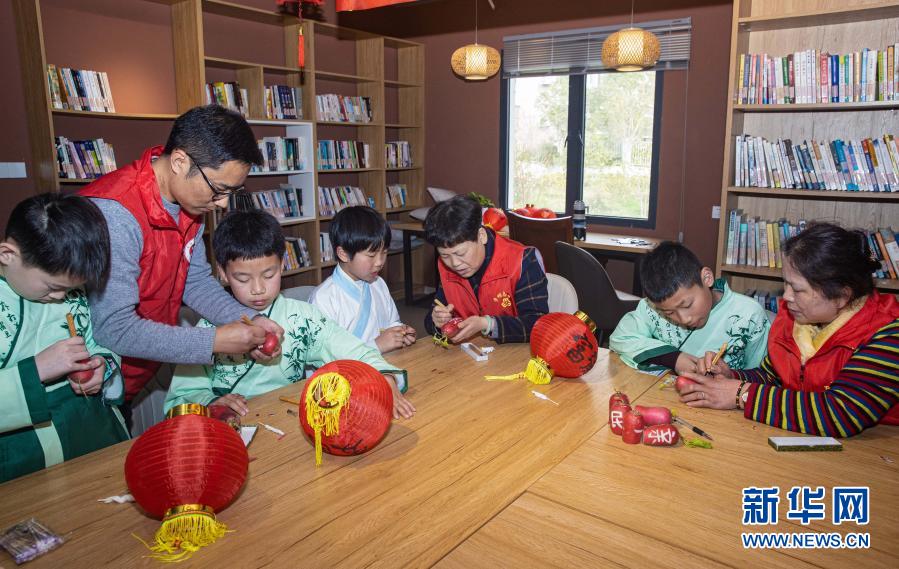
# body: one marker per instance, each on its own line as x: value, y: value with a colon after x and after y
x: 805, y: 443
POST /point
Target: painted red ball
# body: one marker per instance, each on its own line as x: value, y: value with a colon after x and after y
x: 271, y: 344
x: 451, y: 328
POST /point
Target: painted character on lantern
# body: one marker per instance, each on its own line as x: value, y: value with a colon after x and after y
x: 581, y: 353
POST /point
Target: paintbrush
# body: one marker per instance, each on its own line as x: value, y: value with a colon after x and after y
x: 72, y: 333
x: 716, y: 358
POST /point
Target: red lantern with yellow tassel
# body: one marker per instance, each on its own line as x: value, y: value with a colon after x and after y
x: 183, y: 471
x: 346, y: 408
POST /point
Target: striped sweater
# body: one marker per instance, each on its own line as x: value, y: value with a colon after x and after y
x: 860, y: 395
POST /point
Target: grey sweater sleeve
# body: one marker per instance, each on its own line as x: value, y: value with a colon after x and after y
x: 205, y: 294
x: 116, y: 324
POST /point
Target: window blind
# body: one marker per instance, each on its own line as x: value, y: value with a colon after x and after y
x: 572, y: 52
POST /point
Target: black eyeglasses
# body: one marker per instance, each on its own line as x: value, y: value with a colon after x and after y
x: 216, y: 192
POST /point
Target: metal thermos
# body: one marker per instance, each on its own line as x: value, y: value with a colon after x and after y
x: 579, y: 220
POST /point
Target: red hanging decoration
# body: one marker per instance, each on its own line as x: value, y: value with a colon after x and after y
x: 565, y: 343
x: 301, y: 49
x: 346, y: 408
x: 349, y: 5
x: 183, y: 471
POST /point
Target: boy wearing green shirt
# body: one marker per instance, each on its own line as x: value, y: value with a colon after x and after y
x: 687, y: 313
x: 249, y: 248
x: 53, y: 246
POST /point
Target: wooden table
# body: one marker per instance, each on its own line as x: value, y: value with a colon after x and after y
x: 485, y: 475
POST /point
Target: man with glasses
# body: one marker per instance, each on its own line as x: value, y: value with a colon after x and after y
x: 155, y: 210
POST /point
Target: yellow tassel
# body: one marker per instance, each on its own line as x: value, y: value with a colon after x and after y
x: 184, y: 531
x: 538, y: 371
x: 512, y: 377
x: 326, y: 396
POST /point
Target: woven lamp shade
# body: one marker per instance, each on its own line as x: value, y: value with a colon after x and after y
x: 183, y: 470
x: 565, y: 342
x: 475, y: 62
x: 630, y: 49
x: 346, y: 408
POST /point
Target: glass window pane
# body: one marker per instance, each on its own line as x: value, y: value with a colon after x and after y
x: 618, y: 143
x: 538, y: 125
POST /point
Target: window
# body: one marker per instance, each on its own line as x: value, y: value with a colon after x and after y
x: 588, y: 136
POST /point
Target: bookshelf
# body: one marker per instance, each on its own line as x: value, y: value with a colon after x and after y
x: 389, y: 71
x: 778, y: 28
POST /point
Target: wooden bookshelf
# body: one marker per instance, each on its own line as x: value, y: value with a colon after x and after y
x: 778, y: 28
x: 196, y: 61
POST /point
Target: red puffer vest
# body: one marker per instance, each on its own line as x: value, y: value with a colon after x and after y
x: 821, y: 369
x: 165, y: 258
x: 496, y: 294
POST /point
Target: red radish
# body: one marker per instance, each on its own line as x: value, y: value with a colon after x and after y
x: 83, y: 375
x: 632, y: 433
x: 495, y: 218
x: 661, y: 435
x: 654, y: 415
x: 270, y: 344
x: 617, y: 410
x: 618, y: 396
x: 226, y: 414
x: 682, y: 382
x: 451, y: 328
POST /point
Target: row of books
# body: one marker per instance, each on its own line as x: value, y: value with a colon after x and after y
x: 283, y: 102
x: 813, y: 76
x: 885, y: 251
x: 342, y: 154
x: 868, y: 164
x: 229, y: 95
x: 399, y: 154
x: 326, y: 247
x: 296, y: 254
x: 286, y: 202
x: 79, y: 89
x: 396, y: 195
x: 332, y: 200
x: 767, y: 299
x: 343, y: 108
x: 281, y: 154
x: 83, y: 158
x: 757, y: 242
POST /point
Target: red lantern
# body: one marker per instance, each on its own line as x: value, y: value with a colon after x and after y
x: 495, y: 218
x: 183, y: 471
x: 346, y: 408
x: 563, y: 345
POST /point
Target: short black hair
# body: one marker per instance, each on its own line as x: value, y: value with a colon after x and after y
x: 62, y: 235
x: 359, y: 228
x: 213, y: 135
x: 832, y: 259
x: 667, y: 268
x: 247, y: 234
x: 453, y: 221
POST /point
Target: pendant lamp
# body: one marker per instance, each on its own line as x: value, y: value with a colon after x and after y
x: 630, y: 49
x: 475, y: 62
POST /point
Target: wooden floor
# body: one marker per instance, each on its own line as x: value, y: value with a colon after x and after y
x: 485, y: 475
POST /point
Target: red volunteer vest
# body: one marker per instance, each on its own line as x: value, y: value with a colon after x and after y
x: 496, y: 294
x: 821, y: 369
x: 165, y: 258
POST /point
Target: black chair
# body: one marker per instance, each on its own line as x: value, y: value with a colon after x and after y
x: 542, y: 234
x: 595, y: 294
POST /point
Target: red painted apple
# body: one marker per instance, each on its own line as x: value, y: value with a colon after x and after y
x: 495, y: 218
x: 451, y: 328
x: 682, y: 382
x: 270, y: 344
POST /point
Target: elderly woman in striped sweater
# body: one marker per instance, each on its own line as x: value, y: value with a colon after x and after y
x: 833, y: 351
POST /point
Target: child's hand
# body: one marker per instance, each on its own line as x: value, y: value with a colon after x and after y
x: 686, y: 364
x: 470, y: 327
x: 392, y: 338
x: 238, y: 338
x: 95, y: 383
x: 441, y: 315
x: 235, y: 402
x: 409, y: 335
x: 704, y: 366
x: 402, y: 407
x: 61, y: 358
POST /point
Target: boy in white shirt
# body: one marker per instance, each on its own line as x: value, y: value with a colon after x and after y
x: 354, y: 295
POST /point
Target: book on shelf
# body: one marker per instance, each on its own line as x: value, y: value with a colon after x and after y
x: 326, y: 247
x: 83, y: 159
x: 281, y: 154
x: 332, y: 200
x: 396, y: 195
x: 79, y: 89
x: 768, y: 300
x: 343, y: 108
x: 867, y: 164
x: 342, y: 154
x: 755, y: 242
x: 296, y: 254
x: 813, y: 76
x: 229, y: 95
x: 283, y: 102
x: 283, y: 203
x: 398, y: 154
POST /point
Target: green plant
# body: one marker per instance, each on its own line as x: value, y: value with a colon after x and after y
x: 483, y: 200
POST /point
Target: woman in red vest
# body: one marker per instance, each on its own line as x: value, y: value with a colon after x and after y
x: 833, y: 350
x: 495, y: 284
x: 155, y: 210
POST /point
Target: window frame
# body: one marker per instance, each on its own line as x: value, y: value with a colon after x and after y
x: 574, y: 179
